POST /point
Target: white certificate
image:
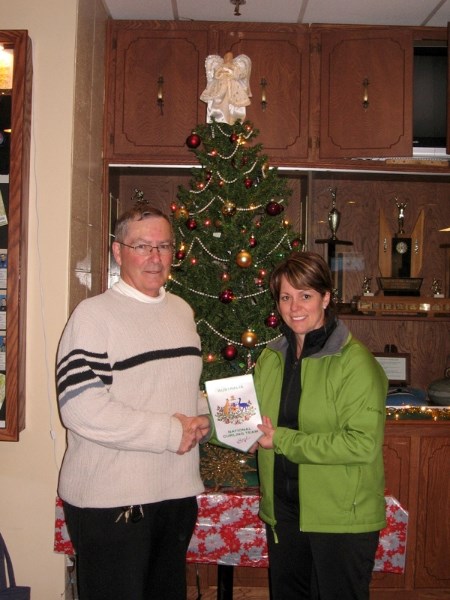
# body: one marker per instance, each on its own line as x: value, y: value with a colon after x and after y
x: 235, y: 410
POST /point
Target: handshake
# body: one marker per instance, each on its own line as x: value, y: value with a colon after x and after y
x: 194, y: 430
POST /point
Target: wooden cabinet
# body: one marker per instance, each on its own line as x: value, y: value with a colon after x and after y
x: 366, y: 92
x: 147, y: 62
x: 139, y: 129
x: 12, y: 414
x: 322, y: 95
x: 280, y: 78
x: 417, y: 460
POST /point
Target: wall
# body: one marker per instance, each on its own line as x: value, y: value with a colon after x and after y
x: 87, y: 178
x: 29, y: 468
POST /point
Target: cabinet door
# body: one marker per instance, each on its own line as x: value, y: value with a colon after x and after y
x: 280, y: 57
x: 366, y: 93
x: 146, y: 60
x: 433, y: 525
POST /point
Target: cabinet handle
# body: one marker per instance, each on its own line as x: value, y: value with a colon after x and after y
x: 160, y: 95
x: 365, y: 93
x: 263, y: 85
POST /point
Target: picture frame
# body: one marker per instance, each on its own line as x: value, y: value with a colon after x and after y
x: 397, y: 367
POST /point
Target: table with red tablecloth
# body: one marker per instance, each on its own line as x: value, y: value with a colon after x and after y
x: 229, y: 533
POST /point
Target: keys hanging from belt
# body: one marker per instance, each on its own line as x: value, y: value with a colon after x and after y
x: 134, y: 513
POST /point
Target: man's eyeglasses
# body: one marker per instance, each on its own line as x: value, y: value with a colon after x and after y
x: 146, y: 249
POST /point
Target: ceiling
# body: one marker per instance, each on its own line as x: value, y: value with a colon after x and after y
x: 435, y: 13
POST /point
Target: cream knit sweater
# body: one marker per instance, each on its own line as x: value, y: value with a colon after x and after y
x: 124, y: 367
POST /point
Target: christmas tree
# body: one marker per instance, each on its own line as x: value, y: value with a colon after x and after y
x: 230, y: 232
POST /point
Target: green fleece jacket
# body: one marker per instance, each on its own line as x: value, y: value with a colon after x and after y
x: 338, y: 444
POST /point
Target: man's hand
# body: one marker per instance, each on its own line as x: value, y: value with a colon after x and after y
x: 194, y: 429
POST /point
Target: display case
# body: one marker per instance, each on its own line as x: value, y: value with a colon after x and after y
x: 15, y: 114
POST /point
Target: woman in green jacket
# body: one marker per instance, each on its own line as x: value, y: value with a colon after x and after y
x: 322, y: 397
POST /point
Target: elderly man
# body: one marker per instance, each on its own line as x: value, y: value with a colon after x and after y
x: 128, y: 371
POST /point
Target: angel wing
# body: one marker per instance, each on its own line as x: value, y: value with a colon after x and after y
x: 244, y: 64
x: 211, y: 63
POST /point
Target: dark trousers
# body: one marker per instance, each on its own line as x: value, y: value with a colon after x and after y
x: 320, y: 566
x: 144, y: 560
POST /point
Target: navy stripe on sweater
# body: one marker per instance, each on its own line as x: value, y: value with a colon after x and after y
x: 80, y: 370
x: 140, y: 359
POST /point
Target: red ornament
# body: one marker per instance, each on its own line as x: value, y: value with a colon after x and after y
x: 191, y: 224
x: 272, y: 320
x: 234, y: 138
x: 229, y: 352
x: 173, y: 207
x: 252, y: 241
x: 296, y: 243
x: 226, y: 296
x: 274, y: 208
x: 248, y: 182
x: 180, y: 254
x: 193, y: 141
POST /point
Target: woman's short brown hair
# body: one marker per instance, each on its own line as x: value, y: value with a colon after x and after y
x: 304, y: 271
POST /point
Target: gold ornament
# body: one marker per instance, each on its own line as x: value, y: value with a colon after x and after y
x: 244, y: 259
x: 224, y: 467
x: 249, y: 338
x: 265, y: 169
x: 228, y: 208
x: 181, y: 213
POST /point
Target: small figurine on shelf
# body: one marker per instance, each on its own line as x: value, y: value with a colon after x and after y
x: 401, y: 215
x: 436, y: 288
x: 228, y: 87
x: 366, y: 286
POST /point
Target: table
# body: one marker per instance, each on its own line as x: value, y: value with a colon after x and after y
x: 229, y: 533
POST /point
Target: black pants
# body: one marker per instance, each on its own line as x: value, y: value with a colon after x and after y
x: 145, y: 560
x: 320, y: 566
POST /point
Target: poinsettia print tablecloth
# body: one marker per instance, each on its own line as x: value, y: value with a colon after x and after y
x: 230, y: 532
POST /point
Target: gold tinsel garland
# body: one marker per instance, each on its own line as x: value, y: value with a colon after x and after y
x: 223, y: 467
x: 430, y: 413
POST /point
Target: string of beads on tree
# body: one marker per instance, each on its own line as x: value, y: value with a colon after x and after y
x: 230, y: 231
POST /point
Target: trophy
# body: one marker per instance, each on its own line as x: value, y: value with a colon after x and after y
x: 366, y: 289
x: 400, y: 255
x: 333, y: 258
x: 334, y: 216
x: 436, y: 288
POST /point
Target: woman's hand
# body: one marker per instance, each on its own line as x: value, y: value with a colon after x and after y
x: 266, y: 441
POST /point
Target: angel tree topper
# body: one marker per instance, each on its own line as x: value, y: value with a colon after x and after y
x: 228, y: 87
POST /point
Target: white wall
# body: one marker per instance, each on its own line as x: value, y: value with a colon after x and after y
x: 29, y: 468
